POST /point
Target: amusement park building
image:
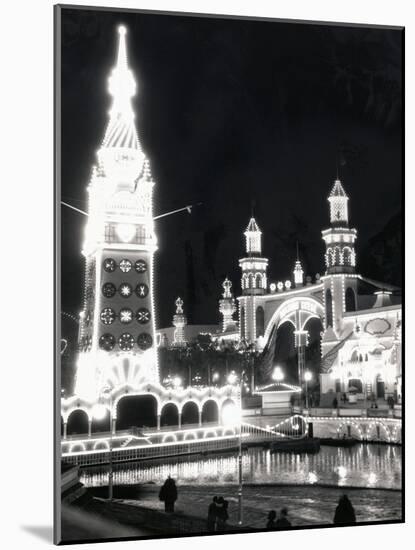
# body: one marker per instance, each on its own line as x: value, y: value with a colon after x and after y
x: 361, y: 318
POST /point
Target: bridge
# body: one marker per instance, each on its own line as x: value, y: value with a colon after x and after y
x: 134, y: 444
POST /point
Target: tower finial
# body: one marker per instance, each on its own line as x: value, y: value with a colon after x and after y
x: 122, y: 49
x: 298, y: 258
x: 121, y: 131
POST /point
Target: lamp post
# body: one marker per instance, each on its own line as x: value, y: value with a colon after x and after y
x: 99, y: 412
x: 307, y: 378
x: 235, y: 417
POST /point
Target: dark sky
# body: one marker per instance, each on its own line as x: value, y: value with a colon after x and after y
x: 231, y: 113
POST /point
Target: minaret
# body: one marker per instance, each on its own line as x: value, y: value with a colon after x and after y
x: 340, y: 254
x: 254, y: 284
x: 340, y: 283
x: 179, y: 321
x: 117, y: 334
x: 298, y: 272
x: 227, y: 306
x: 253, y: 265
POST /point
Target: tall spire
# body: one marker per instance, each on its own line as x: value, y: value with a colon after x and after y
x: 338, y: 204
x: 121, y: 131
x: 253, y: 238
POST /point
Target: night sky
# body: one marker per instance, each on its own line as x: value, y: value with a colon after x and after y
x: 235, y: 115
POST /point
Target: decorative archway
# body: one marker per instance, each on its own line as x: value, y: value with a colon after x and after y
x: 77, y: 422
x: 190, y: 413
x: 102, y: 425
x: 297, y: 311
x: 136, y: 411
x: 210, y: 411
x: 169, y: 415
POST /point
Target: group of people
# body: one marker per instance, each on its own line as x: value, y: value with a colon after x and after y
x: 281, y: 523
x: 217, y: 514
x: 344, y: 514
x: 218, y: 510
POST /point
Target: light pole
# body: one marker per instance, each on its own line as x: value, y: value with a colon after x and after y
x: 233, y: 416
x: 307, y: 378
x: 99, y: 412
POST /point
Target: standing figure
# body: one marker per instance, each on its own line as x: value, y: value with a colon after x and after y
x: 283, y: 522
x: 344, y: 511
x: 168, y: 494
x: 212, y: 515
x: 271, y: 519
x: 221, y: 514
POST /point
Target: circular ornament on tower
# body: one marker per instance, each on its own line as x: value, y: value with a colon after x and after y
x: 144, y: 340
x: 107, y: 342
x: 143, y: 315
x: 109, y: 290
x: 140, y: 266
x: 125, y: 266
x: 141, y: 290
x: 126, y: 316
x: 125, y: 290
x: 107, y: 316
x: 126, y: 342
x: 109, y: 265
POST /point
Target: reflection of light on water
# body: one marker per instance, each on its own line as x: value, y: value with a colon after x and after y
x: 360, y: 466
x: 342, y: 471
x: 372, y: 478
x: 312, y: 478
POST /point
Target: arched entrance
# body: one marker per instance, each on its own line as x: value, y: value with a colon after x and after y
x: 169, y: 415
x: 210, y: 411
x: 102, y: 425
x: 136, y: 411
x: 285, y: 354
x: 190, y: 413
x: 77, y: 422
x: 380, y: 387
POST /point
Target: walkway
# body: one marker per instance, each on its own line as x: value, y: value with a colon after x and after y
x: 307, y: 506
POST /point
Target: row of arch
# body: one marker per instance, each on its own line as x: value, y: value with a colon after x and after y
x: 251, y: 280
x: 142, y: 411
x: 340, y: 256
x: 375, y: 430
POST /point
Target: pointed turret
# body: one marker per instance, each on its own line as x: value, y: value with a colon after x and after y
x: 227, y: 306
x: 121, y: 147
x: 339, y: 238
x: 338, y: 204
x: 179, y: 321
x: 253, y: 238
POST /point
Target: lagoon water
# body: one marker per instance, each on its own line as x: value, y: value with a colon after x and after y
x: 364, y: 465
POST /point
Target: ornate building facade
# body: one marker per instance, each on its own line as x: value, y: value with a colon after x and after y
x: 117, y: 343
x: 360, y: 317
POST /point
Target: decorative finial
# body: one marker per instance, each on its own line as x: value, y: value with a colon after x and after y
x: 179, y: 305
x: 227, y: 285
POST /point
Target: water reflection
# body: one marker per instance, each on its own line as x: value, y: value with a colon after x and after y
x: 377, y: 466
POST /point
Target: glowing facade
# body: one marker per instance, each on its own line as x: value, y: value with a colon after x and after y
x: 179, y: 321
x: 117, y: 337
x: 254, y: 284
x: 227, y: 307
x: 361, y: 318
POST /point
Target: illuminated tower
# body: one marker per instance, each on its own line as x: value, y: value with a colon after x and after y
x: 340, y: 291
x: 339, y: 238
x: 179, y: 321
x: 117, y: 332
x: 298, y: 274
x: 254, y: 284
x: 227, y: 306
